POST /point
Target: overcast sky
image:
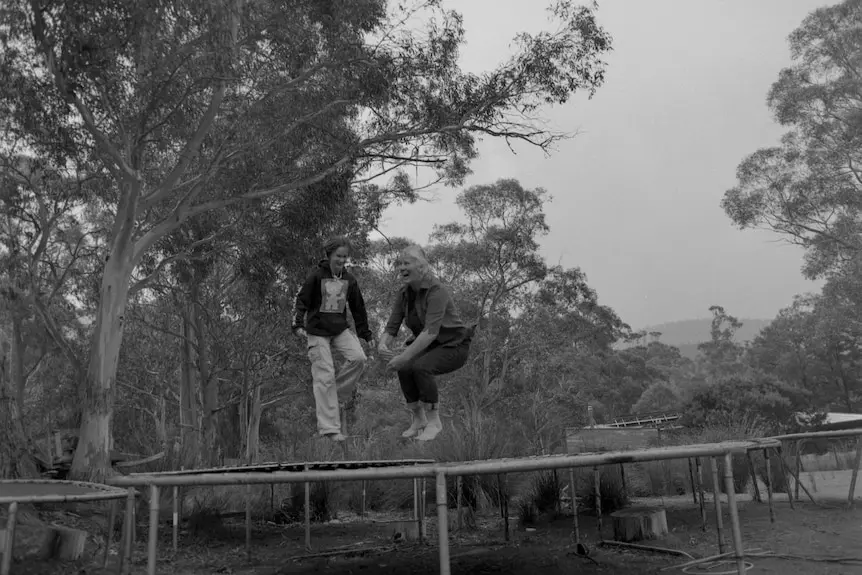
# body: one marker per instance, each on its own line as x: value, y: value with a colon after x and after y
x: 637, y: 192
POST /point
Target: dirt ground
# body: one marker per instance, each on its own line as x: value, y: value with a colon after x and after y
x: 829, y: 531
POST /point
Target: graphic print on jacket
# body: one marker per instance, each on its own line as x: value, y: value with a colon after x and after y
x: 333, y: 295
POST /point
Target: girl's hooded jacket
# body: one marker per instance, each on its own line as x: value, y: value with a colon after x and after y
x: 321, y: 304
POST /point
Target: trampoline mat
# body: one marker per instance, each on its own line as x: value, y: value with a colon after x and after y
x: 294, y: 467
x: 23, y: 490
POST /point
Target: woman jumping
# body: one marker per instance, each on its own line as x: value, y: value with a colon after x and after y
x: 440, y: 343
x: 321, y: 317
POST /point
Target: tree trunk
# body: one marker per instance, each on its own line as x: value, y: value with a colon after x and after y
x: 209, y: 385
x: 188, y: 408
x: 92, y: 461
x: 18, y: 350
x: 16, y: 452
x: 253, y: 435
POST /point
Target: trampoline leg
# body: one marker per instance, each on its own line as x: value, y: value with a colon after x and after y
x: 443, y: 524
x: 6, y: 565
x: 854, y: 476
x: 176, y: 518
x: 716, y: 498
x: 307, y: 514
x: 769, y: 485
x: 735, y: 528
x: 125, y: 563
x: 109, y: 533
x: 154, y: 530
x: 423, y: 534
x: 248, y: 521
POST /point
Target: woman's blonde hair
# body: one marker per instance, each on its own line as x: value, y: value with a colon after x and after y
x: 416, y: 252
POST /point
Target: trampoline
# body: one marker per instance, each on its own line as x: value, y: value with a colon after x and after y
x: 278, y: 469
x: 294, y: 467
x: 14, y: 492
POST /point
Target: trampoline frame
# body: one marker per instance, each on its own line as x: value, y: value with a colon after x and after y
x: 440, y: 471
x: 424, y: 470
x: 100, y: 492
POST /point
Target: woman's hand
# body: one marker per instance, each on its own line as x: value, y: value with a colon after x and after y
x: 397, y: 363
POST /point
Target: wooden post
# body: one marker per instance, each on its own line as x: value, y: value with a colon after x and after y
x: 735, y: 528
x: 753, y: 472
x: 691, y: 481
x: 598, y: 499
x: 854, y: 476
x: 699, y: 466
x: 716, y: 496
x: 769, y: 484
x: 362, y: 508
x: 6, y: 564
x: 574, y: 502
x: 154, y: 530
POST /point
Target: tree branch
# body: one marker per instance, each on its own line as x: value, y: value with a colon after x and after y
x: 191, y: 149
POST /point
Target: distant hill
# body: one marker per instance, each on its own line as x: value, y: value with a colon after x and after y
x: 686, y: 334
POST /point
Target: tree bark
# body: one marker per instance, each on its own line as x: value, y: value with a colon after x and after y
x: 209, y: 386
x: 19, y: 348
x: 189, y: 424
x: 252, y: 450
x: 92, y: 461
x: 16, y: 451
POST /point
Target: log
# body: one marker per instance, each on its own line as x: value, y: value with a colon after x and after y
x: 48, y: 542
x: 639, y: 523
x: 404, y: 530
x: 63, y: 543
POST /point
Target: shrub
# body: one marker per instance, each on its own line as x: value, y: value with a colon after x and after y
x: 613, y: 496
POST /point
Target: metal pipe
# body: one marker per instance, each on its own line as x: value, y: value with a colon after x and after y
x: 6, y: 565
x: 574, y: 502
x: 818, y: 434
x: 109, y: 535
x: 735, y: 528
x: 700, y: 494
x: 598, y: 499
x: 154, y: 530
x: 780, y: 453
x: 423, y: 534
x: 125, y: 563
x: 753, y: 473
x: 799, y: 444
x: 307, y: 515
x: 458, y: 495
x: 248, y: 520
x: 769, y: 485
x: 691, y: 481
x: 494, y: 466
x: 443, y: 524
x: 176, y: 518
x: 855, y: 475
x: 716, y: 497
